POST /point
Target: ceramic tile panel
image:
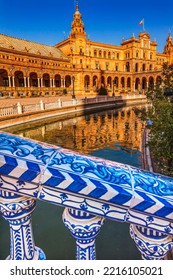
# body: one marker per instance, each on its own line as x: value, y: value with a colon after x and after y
x: 149, y: 221
x: 153, y: 193
x: 24, y: 160
x: 85, y: 204
x: 93, y: 177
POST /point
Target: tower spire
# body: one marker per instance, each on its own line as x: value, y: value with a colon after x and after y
x: 77, y: 27
x: 77, y: 5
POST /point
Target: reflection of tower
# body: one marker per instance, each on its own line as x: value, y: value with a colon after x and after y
x: 60, y: 125
x: 43, y: 130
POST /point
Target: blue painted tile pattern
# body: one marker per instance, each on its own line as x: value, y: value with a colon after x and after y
x: 87, y: 183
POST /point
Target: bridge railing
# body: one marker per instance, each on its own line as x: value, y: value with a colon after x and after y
x: 90, y: 189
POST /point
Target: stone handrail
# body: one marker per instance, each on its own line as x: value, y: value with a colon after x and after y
x: 26, y: 108
x: 90, y: 189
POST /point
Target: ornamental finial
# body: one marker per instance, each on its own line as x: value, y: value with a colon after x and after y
x: 77, y: 7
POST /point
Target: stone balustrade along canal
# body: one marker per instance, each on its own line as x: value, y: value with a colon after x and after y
x: 26, y: 110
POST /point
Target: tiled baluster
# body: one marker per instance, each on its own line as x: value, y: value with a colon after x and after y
x: 17, y: 211
x: 152, y: 244
x: 84, y: 227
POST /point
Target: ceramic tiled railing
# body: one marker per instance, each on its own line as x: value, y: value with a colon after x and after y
x: 90, y: 189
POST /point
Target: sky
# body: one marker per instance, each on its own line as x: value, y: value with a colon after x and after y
x: 105, y: 21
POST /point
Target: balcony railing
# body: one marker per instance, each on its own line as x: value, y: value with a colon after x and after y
x: 90, y: 190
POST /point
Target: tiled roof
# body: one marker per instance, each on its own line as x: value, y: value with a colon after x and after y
x: 22, y: 45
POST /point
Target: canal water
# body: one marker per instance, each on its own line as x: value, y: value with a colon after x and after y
x: 114, y: 135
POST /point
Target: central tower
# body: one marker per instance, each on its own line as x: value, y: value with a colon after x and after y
x: 77, y: 27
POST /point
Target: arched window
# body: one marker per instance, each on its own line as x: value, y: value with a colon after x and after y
x: 116, y: 82
x: 151, y: 83
x: 4, y: 78
x: 19, y: 79
x: 128, y: 83
x: 144, y: 83
x: 57, y: 80
x: 136, y: 67
x: 122, y: 82
x: 46, y: 80
x: 68, y: 80
x: 109, y: 81
x: 102, y: 80
x: 158, y: 80
x: 95, y: 81
x: 86, y: 82
x: 137, y: 84
x: 33, y: 79
x: 127, y: 66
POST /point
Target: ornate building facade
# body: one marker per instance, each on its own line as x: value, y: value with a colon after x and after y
x: 77, y: 63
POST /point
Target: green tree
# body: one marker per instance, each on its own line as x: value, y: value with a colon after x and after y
x: 160, y: 115
x: 102, y: 91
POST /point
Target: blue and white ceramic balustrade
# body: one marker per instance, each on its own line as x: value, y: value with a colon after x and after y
x: 17, y: 211
x: 84, y: 227
x: 96, y: 188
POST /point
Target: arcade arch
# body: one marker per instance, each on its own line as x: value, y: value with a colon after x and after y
x: 33, y: 79
x: 4, y: 81
x: 87, y: 81
x: 46, y: 80
x: 19, y: 79
x: 151, y: 83
x: 57, y: 79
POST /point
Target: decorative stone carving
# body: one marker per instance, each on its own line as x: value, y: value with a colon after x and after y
x: 84, y: 227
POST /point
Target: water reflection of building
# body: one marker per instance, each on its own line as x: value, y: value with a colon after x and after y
x: 92, y: 132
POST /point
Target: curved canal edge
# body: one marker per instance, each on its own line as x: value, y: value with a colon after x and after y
x: 148, y: 164
x: 146, y: 155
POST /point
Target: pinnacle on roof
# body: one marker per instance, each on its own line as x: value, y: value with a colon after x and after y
x: 77, y: 6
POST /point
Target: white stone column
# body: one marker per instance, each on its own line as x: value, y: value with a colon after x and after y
x: 19, y: 108
x: 134, y: 86
x: 41, y: 82
x: 28, y: 81
x: 24, y: 81
x: 59, y: 103
x: 53, y: 80
x: 147, y: 86
x: 38, y: 82
x: 41, y: 105
x: 13, y: 81
x: 62, y: 82
x: 9, y: 81
x: 50, y: 82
